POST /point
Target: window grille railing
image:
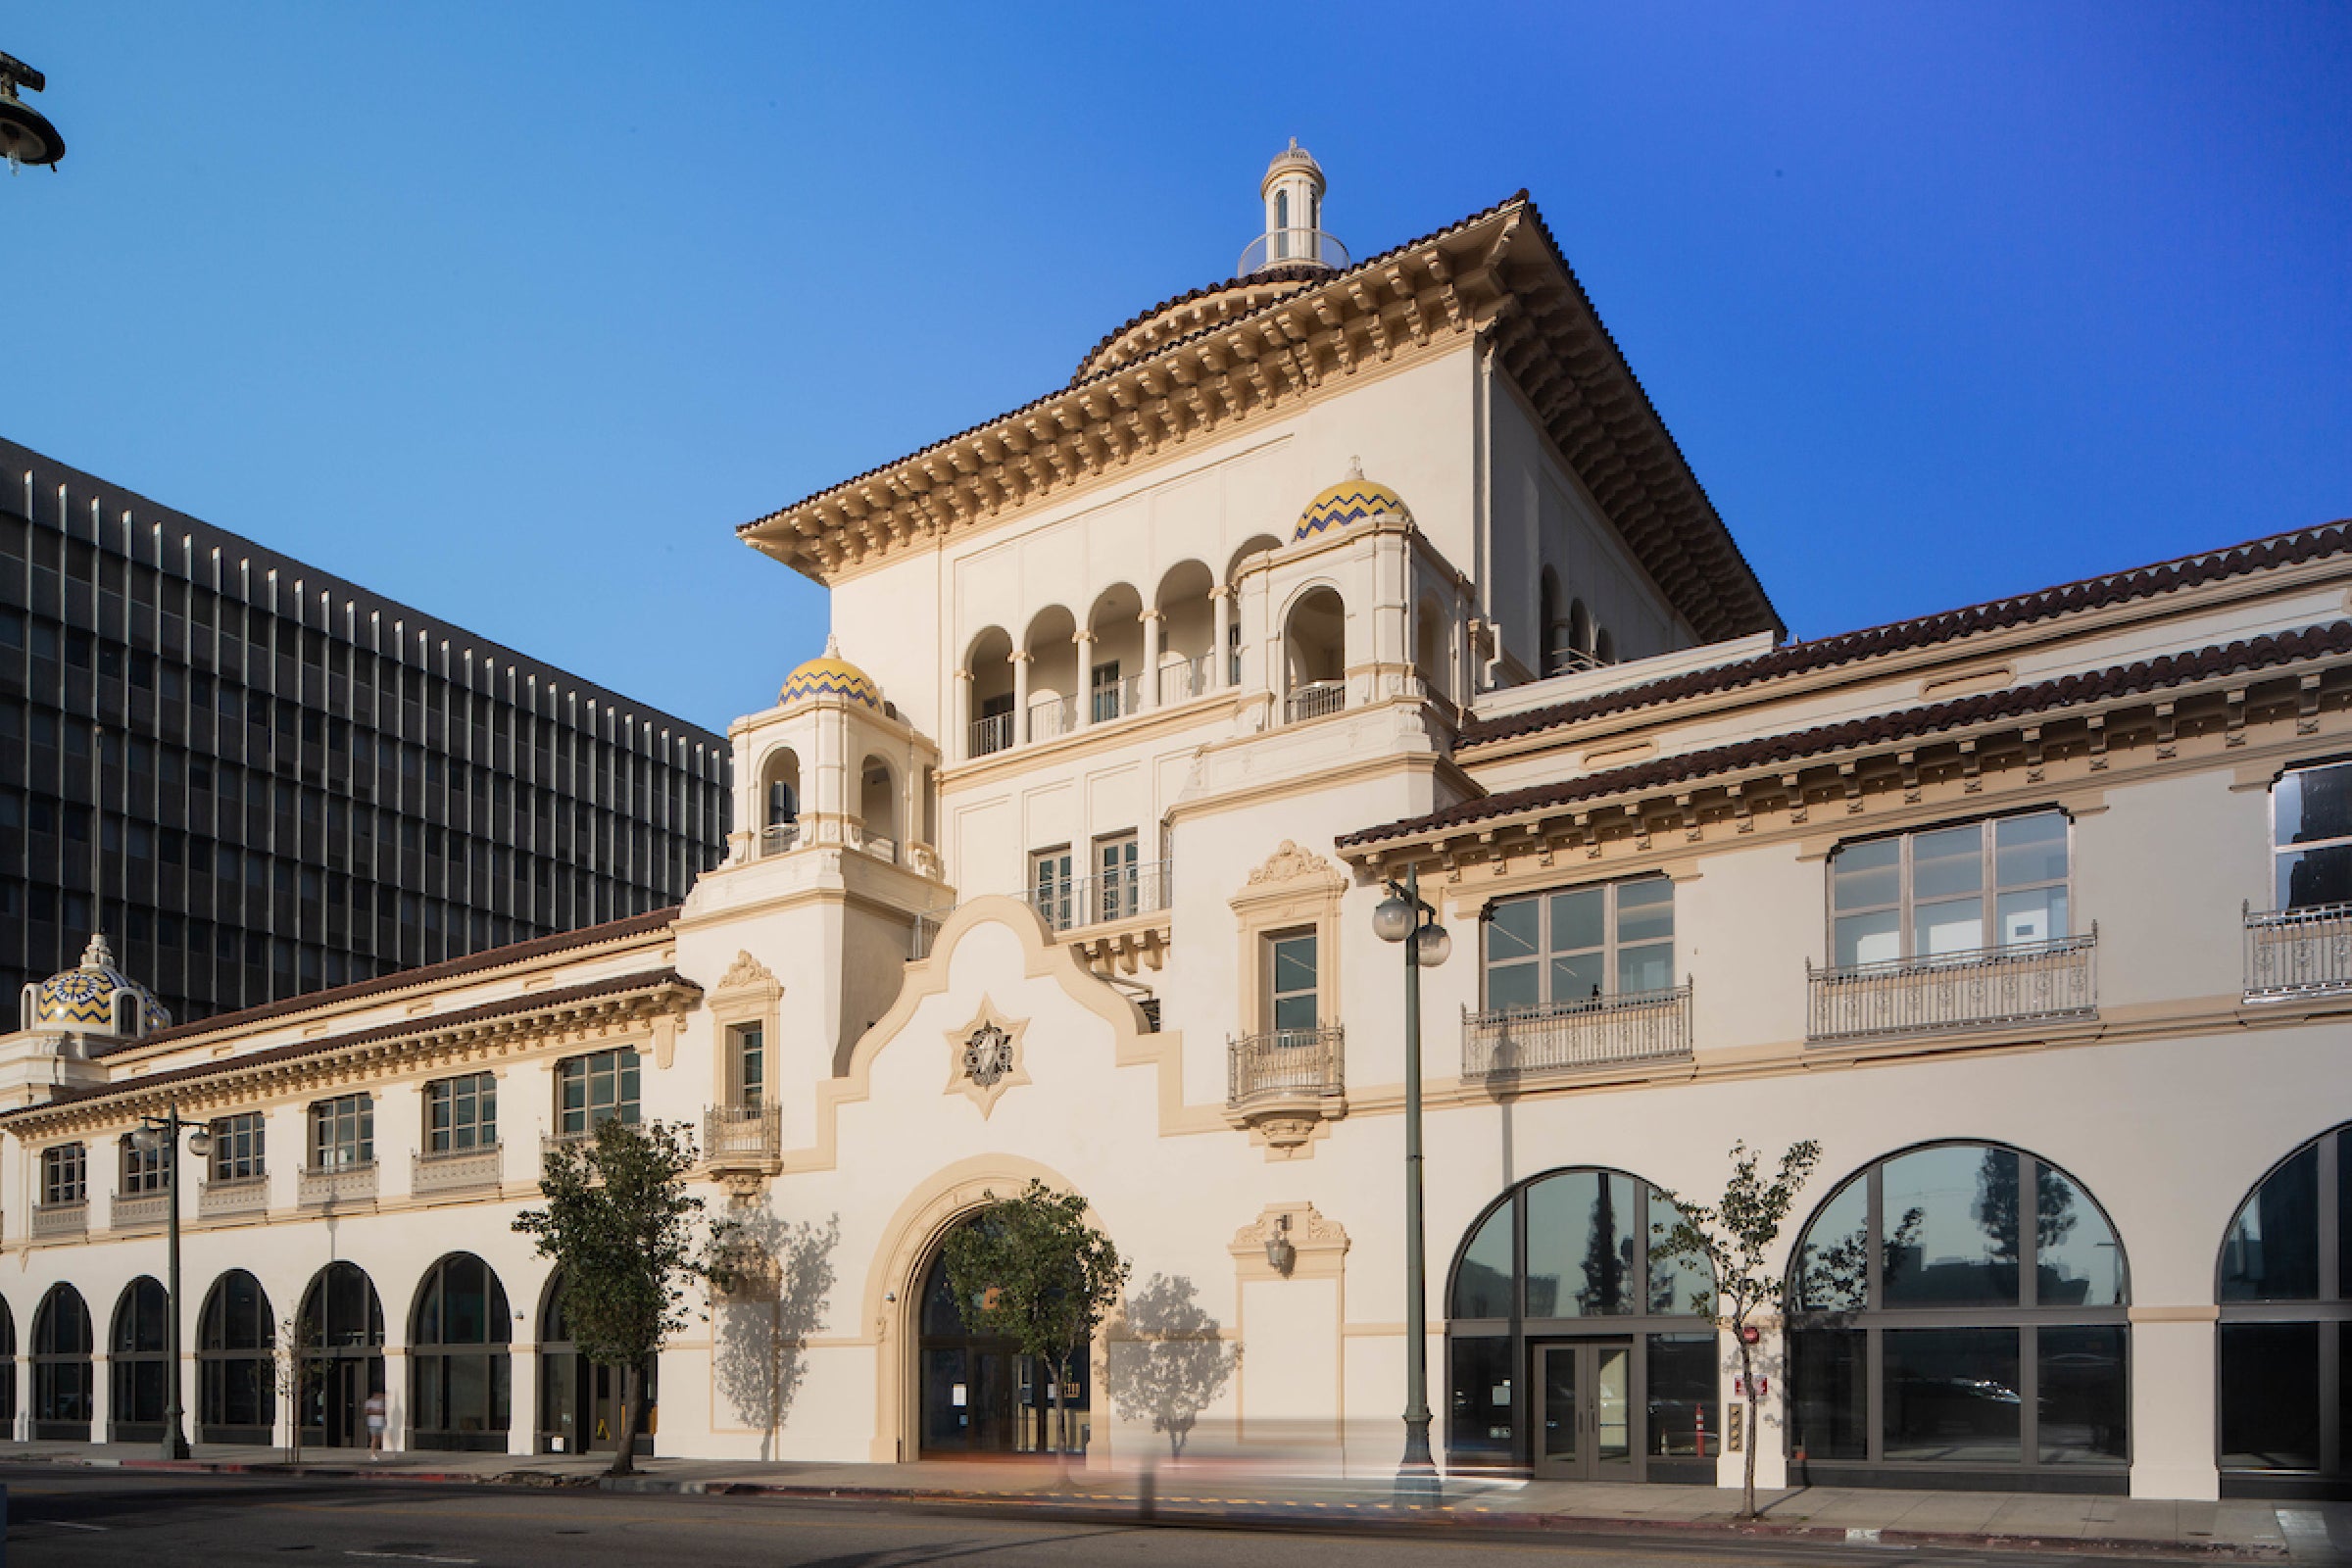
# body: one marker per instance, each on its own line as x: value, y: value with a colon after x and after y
x: 1283, y: 1064
x: 1117, y: 700
x: 443, y: 1171
x: 2298, y: 953
x: 2026, y: 982
x: 777, y: 837
x: 1181, y: 683
x: 240, y: 1195
x: 740, y: 1132
x: 992, y: 733
x: 1051, y: 717
x: 335, y: 1184
x: 60, y: 1219
x: 1511, y: 1045
x: 1315, y: 700
x: 138, y: 1211
x: 1120, y: 895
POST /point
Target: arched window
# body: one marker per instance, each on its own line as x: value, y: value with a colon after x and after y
x: 8, y: 1369
x: 1604, y: 647
x: 1314, y: 656
x: 878, y: 808
x: 341, y: 1330
x: 235, y: 1381
x: 60, y: 1367
x: 1573, y: 1348
x: 1960, y: 1308
x: 1579, y: 631
x: 2285, y: 1340
x: 579, y: 1400
x: 1558, y: 653
x: 978, y: 1393
x: 780, y: 804
x: 138, y: 1356
x: 459, y: 1376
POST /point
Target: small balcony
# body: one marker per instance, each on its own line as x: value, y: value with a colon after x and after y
x: 742, y: 1137
x: 1050, y: 718
x: 2298, y: 953
x: 140, y: 1212
x: 2026, y: 983
x: 239, y: 1194
x: 1315, y: 700
x: 1514, y: 1046
x: 1115, y: 700
x: 334, y: 1186
x: 62, y: 1219
x: 1188, y: 681
x: 1280, y: 1083
x: 778, y: 837
x: 1291, y: 247
x: 1086, y: 901
x: 992, y: 733
x: 457, y: 1170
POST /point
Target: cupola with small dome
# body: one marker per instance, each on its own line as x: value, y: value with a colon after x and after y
x: 1355, y: 498
x: 93, y: 998
x: 831, y: 675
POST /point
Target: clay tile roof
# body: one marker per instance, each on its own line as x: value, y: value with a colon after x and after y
x: 408, y: 979
x: 1926, y: 631
x: 2118, y: 680
x: 433, y: 1024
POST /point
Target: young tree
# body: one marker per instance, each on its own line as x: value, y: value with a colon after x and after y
x: 1735, y: 1238
x: 1034, y: 1270
x: 292, y: 1370
x: 623, y: 1228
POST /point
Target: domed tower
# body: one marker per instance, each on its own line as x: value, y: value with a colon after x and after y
x: 1293, y: 240
x: 69, y: 1020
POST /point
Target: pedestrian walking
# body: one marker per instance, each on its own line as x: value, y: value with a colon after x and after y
x: 375, y: 1409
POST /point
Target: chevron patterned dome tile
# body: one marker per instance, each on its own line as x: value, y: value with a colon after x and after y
x: 84, y: 998
x: 1350, y: 501
x: 831, y: 675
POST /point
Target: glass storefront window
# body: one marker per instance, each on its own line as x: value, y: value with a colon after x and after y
x: 1951, y: 1394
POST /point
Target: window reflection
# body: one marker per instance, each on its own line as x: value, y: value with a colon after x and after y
x: 1962, y: 1249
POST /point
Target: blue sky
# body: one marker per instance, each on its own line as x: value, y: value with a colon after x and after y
x: 512, y: 311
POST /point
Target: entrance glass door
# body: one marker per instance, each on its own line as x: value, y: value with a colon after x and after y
x: 1585, y: 1429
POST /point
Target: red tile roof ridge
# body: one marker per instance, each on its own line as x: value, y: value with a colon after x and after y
x: 2116, y: 680
x: 2202, y: 567
x: 398, y: 980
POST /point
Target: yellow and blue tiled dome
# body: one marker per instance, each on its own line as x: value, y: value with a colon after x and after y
x: 84, y: 998
x: 1352, y: 500
x: 831, y: 675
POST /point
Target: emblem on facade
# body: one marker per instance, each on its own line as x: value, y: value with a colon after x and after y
x: 987, y: 1057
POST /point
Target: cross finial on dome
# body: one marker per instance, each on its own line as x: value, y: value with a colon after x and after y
x: 832, y: 645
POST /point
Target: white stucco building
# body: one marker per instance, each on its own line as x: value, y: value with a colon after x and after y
x: 1063, y: 861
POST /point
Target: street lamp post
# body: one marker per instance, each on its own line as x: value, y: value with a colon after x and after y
x: 1403, y: 918
x: 163, y: 1133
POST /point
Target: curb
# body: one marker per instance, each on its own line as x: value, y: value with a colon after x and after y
x: 1343, y: 1517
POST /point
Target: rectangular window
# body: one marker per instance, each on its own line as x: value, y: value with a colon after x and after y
x: 747, y: 1066
x: 1292, y: 998
x: 144, y: 1170
x: 2311, y: 837
x: 65, y: 1174
x: 1995, y: 884
x: 1049, y: 885
x: 1558, y: 949
x: 591, y: 1091
x: 237, y: 1147
x: 460, y: 1113
x: 1116, y: 873
x: 343, y: 1133
x: 1104, y: 687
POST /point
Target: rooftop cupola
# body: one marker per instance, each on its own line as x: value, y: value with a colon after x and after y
x: 1293, y: 240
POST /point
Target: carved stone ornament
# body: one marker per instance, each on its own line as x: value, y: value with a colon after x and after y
x: 1317, y: 1243
x: 986, y: 1057
x: 746, y: 974
x: 1290, y: 863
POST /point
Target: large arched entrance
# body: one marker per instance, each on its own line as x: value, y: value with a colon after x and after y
x: 236, y: 1378
x: 1959, y: 1316
x: 341, y: 1332
x: 139, y: 1351
x: 1572, y: 1352
x: 977, y: 1395
x: 459, y: 1373
x: 580, y: 1402
x: 2283, y: 1347
x: 60, y: 1367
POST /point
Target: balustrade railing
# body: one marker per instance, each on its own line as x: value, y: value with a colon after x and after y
x: 992, y: 733
x: 239, y: 1194
x: 1514, y: 1044
x: 742, y: 1132
x: 1051, y: 717
x: 2298, y: 953
x: 1284, y: 1064
x: 1119, y: 895
x: 777, y: 837
x: 1291, y: 247
x: 2024, y: 982
x: 319, y: 1186
x: 60, y: 1219
x: 1182, y: 683
x: 1315, y: 700
x: 138, y: 1211
x: 1116, y: 699
x: 442, y: 1170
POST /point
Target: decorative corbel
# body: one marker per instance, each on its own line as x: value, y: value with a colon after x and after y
x: 2307, y: 704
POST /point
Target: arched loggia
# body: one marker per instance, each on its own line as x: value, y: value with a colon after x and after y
x: 459, y: 1374
x: 60, y: 1367
x: 235, y: 1372
x: 341, y: 1332
x: 139, y: 1353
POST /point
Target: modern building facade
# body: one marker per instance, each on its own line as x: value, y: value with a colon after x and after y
x: 1063, y: 862
x: 288, y: 783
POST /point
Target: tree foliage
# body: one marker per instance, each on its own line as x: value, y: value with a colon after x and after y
x: 626, y: 1235
x: 1034, y: 1270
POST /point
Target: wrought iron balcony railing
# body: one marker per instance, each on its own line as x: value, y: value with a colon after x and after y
x: 990, y: 733
x: 445, y: 1170
x: 742, y: 1132
x: 2026, y: 982
x: 1315, y: 700
x: 1120, y: 895
x: 1513, y: 1044
x: 139, y: 1211
x: 62, y: 1219
x: 238, y: 1195
x: 1291, y: 247
x: 319, y: 1186
x: 1284, y: 1064
x: 2298, y: 953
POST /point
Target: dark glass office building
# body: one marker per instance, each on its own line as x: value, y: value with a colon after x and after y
x: 264, y: 780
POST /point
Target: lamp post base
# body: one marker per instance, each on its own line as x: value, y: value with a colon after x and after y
x: 1418, y: 1485
x: 175, y: 1446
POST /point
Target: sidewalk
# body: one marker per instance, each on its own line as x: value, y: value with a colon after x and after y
x: 1209, y: 1491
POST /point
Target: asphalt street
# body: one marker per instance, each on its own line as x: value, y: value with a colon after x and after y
x: 69, y: 1517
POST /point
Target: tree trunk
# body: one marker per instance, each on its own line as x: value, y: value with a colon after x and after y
x: 632, y: 1390
x: 1747, y: 1445
x: 1061, y: 1421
